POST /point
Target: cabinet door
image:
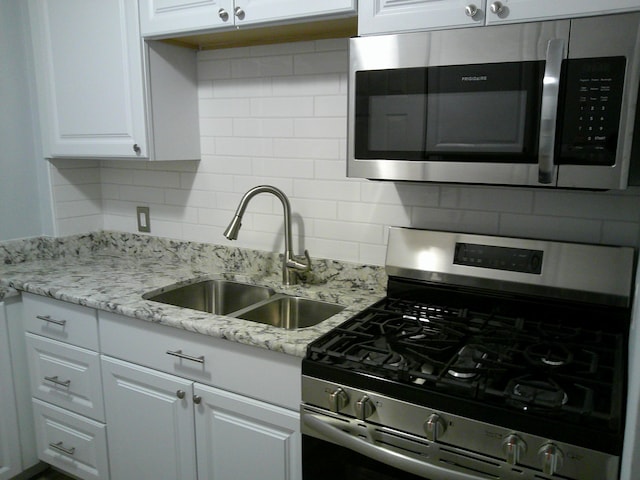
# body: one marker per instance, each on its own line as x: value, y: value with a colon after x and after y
x: 9, y: 449
x: 238, y: 437
x: 531, y: 10
x: 88, y: 62
x: 164, y: 17
x: 263, y: 11
x: 150, y: 420
x: 383, y: 16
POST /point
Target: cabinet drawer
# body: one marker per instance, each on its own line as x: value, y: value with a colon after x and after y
x: 255, y: 372
x: 71, y: 442
x: 60, y: 320
x: 65, y: 375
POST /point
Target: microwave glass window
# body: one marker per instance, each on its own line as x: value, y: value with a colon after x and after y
x: 476, y: 122
x: 397, y: 122
x: 487, y: 112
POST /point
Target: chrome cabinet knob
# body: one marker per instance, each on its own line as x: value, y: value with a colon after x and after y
x: 471, y: 10
x: 364, y: 408
x: 434, y: 427
x: 180, y: 394
x: 223, y: 14
x: 137, y: 149
x: 197, y: 399
x: 497, y: 8
x: 338, y: 399
x: 551, y: 458
x: 239, y: 13
x: 513, y: 447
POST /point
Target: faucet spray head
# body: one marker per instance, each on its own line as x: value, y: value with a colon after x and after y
x: 234, y: 227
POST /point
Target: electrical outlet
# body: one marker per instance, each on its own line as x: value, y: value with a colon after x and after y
x: 144, y: 221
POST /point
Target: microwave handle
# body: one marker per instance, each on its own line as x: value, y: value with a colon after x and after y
x: 549, y: 110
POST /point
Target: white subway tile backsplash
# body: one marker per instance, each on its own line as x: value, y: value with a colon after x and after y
x: 224, y: 107
x: 306, y: 147
x: 335, y: 127
x: 455, y: 220
x: 282, y: 107
x: 334, y: 61
x: 553, y: 228
x: 244, y: 146
x: 330, y: 106
x: 267, y: 66
x: 582, y: 204
x: 252, y: 87
x: 283, y: 167
x: 349, y: 231
x: 505, y: 199
x: 308, y: 85
x: 276, y: 114
x: 396, y: 215
x: 263, y: 127
x: 137, y: 193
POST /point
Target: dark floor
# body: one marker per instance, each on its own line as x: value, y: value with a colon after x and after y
x: 51, y: 474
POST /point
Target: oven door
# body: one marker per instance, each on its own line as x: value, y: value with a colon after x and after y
x: 343, y: 448
x: 457, y: 106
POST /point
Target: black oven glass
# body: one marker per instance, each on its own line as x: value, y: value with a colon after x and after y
x: 486, y: 112
x: 323, y: 460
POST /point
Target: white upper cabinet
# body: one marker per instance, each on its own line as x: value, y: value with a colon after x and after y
x: 507, y: 11
x: 387, y: 16
x: 382, y: 16
x: 171, y: 17
x: 103, y: 92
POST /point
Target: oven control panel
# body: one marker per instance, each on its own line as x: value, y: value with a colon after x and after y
x: 498, y: 258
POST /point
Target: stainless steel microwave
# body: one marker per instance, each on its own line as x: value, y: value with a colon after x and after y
x: 538, y: 104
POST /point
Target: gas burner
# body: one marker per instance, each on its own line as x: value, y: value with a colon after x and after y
x: 529, y: 392
x: 550, y: 354
x: 467, y: 363
x: 391, y: 359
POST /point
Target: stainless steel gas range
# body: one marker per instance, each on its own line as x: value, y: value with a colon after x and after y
x: 490, y: 358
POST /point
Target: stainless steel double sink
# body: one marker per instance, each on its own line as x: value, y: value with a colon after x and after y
x: 249, y: 302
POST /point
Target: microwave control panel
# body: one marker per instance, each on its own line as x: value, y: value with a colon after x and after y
x: 592, y: 106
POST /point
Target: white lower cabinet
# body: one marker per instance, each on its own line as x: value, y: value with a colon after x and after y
x: 119, y: 398
x: 159, y: 424
x: 239, y: 437
x: 184, y: 405
x: 17, y: 438
x: 150, y: 418
x: 70, y: 442
x: 66, y: 385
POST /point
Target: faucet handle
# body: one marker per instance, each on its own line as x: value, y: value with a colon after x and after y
x: 300, y: 265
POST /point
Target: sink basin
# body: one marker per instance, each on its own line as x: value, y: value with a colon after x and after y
x: 291, y: 312
x: 221, y: 297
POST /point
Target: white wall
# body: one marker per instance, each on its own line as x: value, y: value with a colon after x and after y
x: 25, y: 203
x: 277, y: 114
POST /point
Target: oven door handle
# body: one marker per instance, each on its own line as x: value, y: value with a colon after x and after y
x: 549, y: 110
x: 381, y: 454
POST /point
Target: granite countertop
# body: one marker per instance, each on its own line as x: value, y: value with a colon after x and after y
x: 111, y: 272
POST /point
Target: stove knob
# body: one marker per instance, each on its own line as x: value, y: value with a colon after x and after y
x: 435, y: 427
x: 364, y: 408
x: 551, y: 458
x: 338, y: 399
x: 513, y: 447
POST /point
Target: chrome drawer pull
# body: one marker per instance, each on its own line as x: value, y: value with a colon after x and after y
x: 61, y: 448
x: 179, y: 354
x: 55, y: 380
x: 48, y: 319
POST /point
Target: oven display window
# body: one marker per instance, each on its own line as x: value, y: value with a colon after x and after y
x: 499, y: 258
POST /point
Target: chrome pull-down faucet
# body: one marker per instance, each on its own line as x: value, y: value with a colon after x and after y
x: 289, y: 264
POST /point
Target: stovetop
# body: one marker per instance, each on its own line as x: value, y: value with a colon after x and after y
x: 521, y: 361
